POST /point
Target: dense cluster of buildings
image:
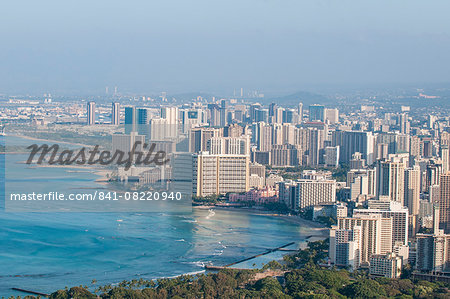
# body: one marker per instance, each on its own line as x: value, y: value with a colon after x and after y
x: 391, y: 208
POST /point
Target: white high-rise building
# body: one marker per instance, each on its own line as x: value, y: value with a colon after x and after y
x: 433, y: 250
x: 300, y: 112
x: 220, y: 174
x: 445, y: 158
x: 376, y: 232
x: 309, y: 193
x: 90, y: 113
x: 361, y: 183
x: 331, y: 115
x: 345, y: 247
x: 229, y: 145
x: 412, y: 197
x: 115, y: 114
x: 394, y: 211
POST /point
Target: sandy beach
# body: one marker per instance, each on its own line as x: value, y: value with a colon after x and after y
x: 50, y: 140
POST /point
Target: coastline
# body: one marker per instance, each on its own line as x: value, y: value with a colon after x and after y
x: 322, y: 230
x: 49, y: 140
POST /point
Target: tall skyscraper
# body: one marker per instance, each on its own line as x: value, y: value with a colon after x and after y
x: 404, y: 123
x: 376, y: 232
x: 392, y: 210
x: 199, y: 138
x: 433, y: 249
x: 229, y: 145
x: 170, y: 114
x: 308, y: 193
x: 351, y: 142
x: 331, y: 156
x: 390, y: 180
x: 300, y: 112
x: 142, y: 122
x: 272, y: 108
x: 444, y: 203
x: 332, y: 116
x: 263, y: 135
x: 90, y: 113
x: 130, y: 119
x: 125, y: 142
x: 412, y: 197
x: 115, y: 115
x: 315, y: 146
x: 445, y: 157
x: 345, y: 247
x: 317, y: 113
x: 220, y: 174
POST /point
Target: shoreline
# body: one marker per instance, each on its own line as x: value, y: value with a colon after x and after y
x: 49, y: 140
x: 322, y: 230
x: 299, y: 242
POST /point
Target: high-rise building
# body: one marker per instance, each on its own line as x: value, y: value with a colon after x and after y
x: 385, y: 265
x: 285, y: 155
x: 390, y: 180
x: 263, y: 136
x: 331, y: 115
x: 351, y: 142
x: 166, y: 127
x: 404, y: 123
x: 288, y: 116
x: 229, y: 145
x: 130, y: 119
x: 220, y: 174
x: 300, y: 112
x: 376, y: 233
x: 115, y: 113
x: 357, y: 162
x: 345, y: 247
x: 316, y: 113
x: 199, y: 137
x: 433, y: 249
x: 143, y: 121
x: 191, y: 118
x: 412, y: 197
x: 308, y: 193
x: 394, y: 211
x: 433, y: 172
x: 315, y: 146
x: 414, y: 146
x: 90, y: 113
x: 332, y: 156
x: 444, y: 153
x: 272, y: 108
x: 362, y: 184
x: 170, y: 114
x: 125, y: 142
x: 444, y: 203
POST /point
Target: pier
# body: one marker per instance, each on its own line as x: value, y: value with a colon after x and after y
x: 31, y: 292
x: 212, y: 267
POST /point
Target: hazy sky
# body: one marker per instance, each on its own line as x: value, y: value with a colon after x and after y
x: 208, y: 45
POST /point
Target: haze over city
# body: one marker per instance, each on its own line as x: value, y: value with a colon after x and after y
x: 216, y: 46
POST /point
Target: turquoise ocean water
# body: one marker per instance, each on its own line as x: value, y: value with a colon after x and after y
x: 48, y: 251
